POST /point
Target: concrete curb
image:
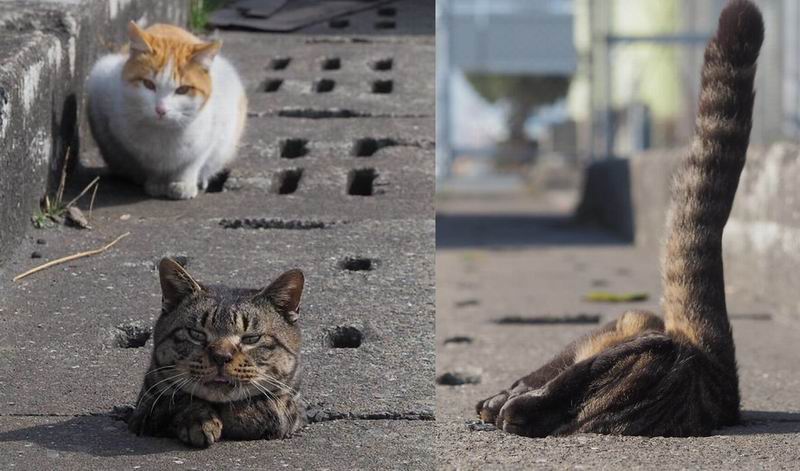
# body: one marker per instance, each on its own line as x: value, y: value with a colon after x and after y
x: 46, y: 51
x: 761, y: 239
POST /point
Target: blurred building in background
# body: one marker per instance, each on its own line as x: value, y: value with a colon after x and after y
x: 589, y: 79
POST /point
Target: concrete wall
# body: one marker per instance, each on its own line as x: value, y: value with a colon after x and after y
x: 47, y: 48
x: 761, y: 242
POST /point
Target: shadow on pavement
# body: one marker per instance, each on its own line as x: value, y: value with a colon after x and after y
x: 94, y: 435
x: 765, y: 422
x: 511, y: 231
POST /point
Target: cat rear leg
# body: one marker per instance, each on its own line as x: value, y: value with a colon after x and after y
x: 631, y: 323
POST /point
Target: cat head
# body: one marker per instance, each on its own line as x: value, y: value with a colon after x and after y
x: 223, y: 344
x: 167, y: 75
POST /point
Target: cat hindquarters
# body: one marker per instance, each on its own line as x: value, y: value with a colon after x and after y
x: 262, y: 418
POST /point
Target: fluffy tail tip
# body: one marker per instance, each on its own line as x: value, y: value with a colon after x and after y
x: 740, y: 32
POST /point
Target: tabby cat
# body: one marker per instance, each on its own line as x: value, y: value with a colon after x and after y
x: 168, y: 112
x: 642, y: 375
x: 224, y: 361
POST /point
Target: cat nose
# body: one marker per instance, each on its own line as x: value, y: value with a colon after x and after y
x: 160, y: 110
x: 221, y: 357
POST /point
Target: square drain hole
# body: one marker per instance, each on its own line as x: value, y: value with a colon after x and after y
x: 387, y: 24
x: 382, y: 65
x: 272, y: 85
x: 331, y: 63
x: 361, y: 182
x: 217, y: 183
x: 294, y: 148
x: 387, y: 11
x: 358, y: 264
x: 339, y: 23
x: 287, y: 181
x: 345, y: 336
x: 279, y: 63
x: 382, y: 87
x: 368, y: 146
x: 323, y: 86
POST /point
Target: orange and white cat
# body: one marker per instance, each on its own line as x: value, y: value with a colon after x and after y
x: 167, y: 112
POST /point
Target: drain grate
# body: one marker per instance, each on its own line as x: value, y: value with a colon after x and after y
x: 272, y: 85
x: 339, y: 23
x: 279, y: 63
x: 323, y: 86
x: 382, y: 87
x: 385, y: 25
x: 346, y: 336
x: 368, y: 146
x: 217, y: 183
x: 331, y: 63
x: 361, y: 182
x: 387, y: 11
x: 274, y: 223
x: 382, y: 65
x: 358, y: 264
x: 294, y: 148
x: 287, y: 181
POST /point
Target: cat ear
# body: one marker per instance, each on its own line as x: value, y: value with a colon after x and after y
x: 284, y: 293
x: 176, y: 284
x: 139, y: 39
x: 205, y: 53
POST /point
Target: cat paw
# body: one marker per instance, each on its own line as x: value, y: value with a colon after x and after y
x: 532, y: 414
x: 171, y: 190
x: 201, y: 432
x: 488, y: 409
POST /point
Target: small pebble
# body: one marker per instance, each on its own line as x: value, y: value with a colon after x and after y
x: 124, y: 217
x: 41, y: 241
x: 36, y: 255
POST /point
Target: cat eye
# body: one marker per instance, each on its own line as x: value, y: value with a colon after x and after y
x: 197, y: 335
x: 182, y: 90
x: 148, y: 84
x: 251, y: 339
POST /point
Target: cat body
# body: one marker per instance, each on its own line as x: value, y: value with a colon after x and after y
x: 225, y: 362
x: 168, y: 113
x: 642, y: 375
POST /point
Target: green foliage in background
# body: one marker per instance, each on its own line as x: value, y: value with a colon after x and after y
x: 198, y: 16
x: 607, y: 297
x: 523, y: 92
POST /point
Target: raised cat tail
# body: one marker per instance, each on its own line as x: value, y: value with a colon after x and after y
x: 705, y: 185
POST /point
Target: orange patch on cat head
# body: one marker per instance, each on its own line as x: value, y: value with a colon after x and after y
x: 160, y: 46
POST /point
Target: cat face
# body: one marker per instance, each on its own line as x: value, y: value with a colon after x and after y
x: 167, y: 75
x: 222, y: 344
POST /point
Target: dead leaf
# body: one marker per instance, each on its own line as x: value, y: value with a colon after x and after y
x: 75, y: 217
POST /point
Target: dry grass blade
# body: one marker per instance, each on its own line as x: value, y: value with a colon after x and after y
x: 69, y: 258
x: 83, y: 192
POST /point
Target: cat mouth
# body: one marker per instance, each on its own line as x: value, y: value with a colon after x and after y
x: 220, y: 381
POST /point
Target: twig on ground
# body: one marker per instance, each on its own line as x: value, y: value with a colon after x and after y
x: 69, y: 258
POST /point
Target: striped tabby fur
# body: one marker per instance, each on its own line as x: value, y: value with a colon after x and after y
x: 224, y: 361
x: 677, y: 377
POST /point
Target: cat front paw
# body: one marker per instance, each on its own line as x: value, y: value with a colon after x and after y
x: 488, y: 409
x: 532, y: 414
x: 172, y: 190
x: 200, y: 432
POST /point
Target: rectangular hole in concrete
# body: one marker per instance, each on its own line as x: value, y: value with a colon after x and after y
x: 294, y: 148
x: 387, y: 11
x: 274, y: 223
x: 323, y: 86
x: 361, y: 182
x: 339, y: 23
x: 368, y: 146
x: 272, y: 85
x: 567, y: 319
x: 387, y: 24
x: 382, y: 86
x: 331, y: 63
x: 286, y: 182
x: 217, y: 183
x: 382, y: 65
x: 279, y: 63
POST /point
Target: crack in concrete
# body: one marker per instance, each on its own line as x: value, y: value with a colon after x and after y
x: 317, y: 415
